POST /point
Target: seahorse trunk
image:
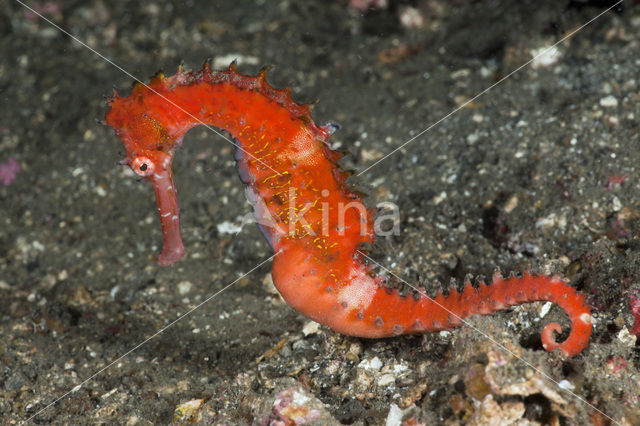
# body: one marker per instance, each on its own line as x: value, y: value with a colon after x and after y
x: 310, y: 217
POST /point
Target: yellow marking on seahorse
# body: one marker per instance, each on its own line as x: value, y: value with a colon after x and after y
x: 264, y: 156
x: 262, y: 149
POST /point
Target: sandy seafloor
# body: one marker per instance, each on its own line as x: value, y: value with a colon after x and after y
x: 539, y: 173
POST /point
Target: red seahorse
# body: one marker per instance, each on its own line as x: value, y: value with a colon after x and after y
x: 318, y: 223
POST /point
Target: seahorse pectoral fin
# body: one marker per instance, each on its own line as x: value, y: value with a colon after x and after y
x: 167, y: 200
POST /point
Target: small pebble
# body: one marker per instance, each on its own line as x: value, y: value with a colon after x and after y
x: 545, y: 56
x: 545, y: 309
x: 371, y: 364
x: 609, y: 101
x: 386, y: 380
x: 310, y: 327
x: 473, y: 138
x: 394, y: 418
x: 565, y: 384
x: 184, y: 287
x: 627, y: 338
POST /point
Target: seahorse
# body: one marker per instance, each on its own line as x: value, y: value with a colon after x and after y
x: 313, y: 219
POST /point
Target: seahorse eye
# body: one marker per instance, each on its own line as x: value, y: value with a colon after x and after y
x: 142, y: 166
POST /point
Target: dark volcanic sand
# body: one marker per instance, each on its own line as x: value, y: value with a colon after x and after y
x: 519, y: 180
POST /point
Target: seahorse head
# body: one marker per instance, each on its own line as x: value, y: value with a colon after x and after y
x: 149, y: 152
